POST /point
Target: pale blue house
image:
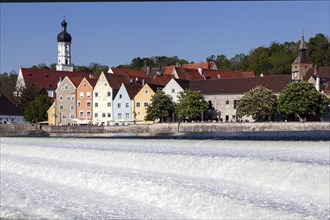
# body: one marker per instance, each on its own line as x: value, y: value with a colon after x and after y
x: 123, y: 104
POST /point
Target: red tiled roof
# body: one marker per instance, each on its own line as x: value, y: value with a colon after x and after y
x: 115, y: 81
x: 226, y: 74
x: 238, y: 85
x: 189, y: 74
x: 204, y: 65
x: 160, y: 80
x: 322, y: 72
x: 92, y: 81
x: 48, y: 79
x: 76, y: 81
x: 131, y: 73
x: 132, y: 89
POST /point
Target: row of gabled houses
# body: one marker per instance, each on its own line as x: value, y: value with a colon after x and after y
x: 120, y: 96
x: 116, y: 99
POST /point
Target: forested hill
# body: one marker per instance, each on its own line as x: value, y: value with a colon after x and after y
x: 275, y: 58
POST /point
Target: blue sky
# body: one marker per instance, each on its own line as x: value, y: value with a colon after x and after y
x: 113, y: 33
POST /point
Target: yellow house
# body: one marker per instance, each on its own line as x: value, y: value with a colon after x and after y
x: 51, y: 114
x: 141, y: 102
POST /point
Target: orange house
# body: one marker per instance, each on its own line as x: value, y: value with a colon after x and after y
x: 85, y: 101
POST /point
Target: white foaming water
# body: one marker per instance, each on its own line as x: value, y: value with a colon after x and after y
x: 163, y: 179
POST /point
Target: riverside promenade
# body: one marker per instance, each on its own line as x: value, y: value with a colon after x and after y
x: 158, y: 128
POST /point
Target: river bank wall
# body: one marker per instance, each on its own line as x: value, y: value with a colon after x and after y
x: 161, y: 128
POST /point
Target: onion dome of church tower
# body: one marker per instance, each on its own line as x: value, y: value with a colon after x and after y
x: 64, y: 36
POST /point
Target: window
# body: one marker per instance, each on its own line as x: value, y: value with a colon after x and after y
x: 127, y: 105
x: 96, y: 94
x: 105, y: 84
x: 146, y: 91
x: 81, y: 94
x: 119, y: 115
x: 67, y: 98
x: 173, y: 90
x: 120, y: 96
x: 127, y: 115
x: 88, y: 113
x: 109, y: 115
x: 96, y: 104
x: 103, y: 115
x: 81, y: 114
x: 88, y: 94
x: 71, y: 116
x: 138, y: 104
x: 66, y: 86
x: 88, y: 104
x: 72, y: 98
x: 70, y: 87
x: 146, y: 104
x: 109, y: 104
x: 71, y: 107
x: 109, y: 93
x: 227, y: 102
x: 64, y: 116
x: 119, y: 105
x: 78, y: 104
x: 61, y: 98
x: 235, y: 104
x: 96, y: 115
x: 61, y: 106
x: 84, y: 84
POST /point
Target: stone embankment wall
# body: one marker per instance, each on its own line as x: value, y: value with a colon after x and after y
x: 35, y: 130
x: 14, y: 130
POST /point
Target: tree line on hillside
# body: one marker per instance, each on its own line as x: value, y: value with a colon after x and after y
x: 276, y: 59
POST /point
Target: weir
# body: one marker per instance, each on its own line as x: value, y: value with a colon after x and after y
x: 171, y: 179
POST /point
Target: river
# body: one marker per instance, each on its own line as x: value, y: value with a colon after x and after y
x: 172, y: 178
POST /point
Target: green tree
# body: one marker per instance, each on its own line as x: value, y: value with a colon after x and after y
x: 302, y: 100
x: 259, y: 62
x: 36, y: 110
x: 318, y: 49
x: 240, y: 62
x: 191, y: 105
x: 222, y: 62
x: 25, y: 95
x: 259, y: 102
x: 161, y: 106
x: 7, y: 85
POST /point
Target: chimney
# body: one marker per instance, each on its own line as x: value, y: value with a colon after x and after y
x: 131, y: 81
x: 200, y: 70
x: 110, y: 70
x: 136, y: 79
x: 219, y: 76
x: 143, y: 82
x: 315, y: 69
x: 317, y: 84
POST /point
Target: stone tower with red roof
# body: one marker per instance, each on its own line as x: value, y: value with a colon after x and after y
x: 301, y: 63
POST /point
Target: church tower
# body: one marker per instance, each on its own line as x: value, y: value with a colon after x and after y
x: 301, y: 63
x: 64, y: 49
